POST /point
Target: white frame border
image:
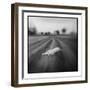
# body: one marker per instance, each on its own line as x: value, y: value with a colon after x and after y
x: 25, y: 80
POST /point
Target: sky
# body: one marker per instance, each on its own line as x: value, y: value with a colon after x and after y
x: 47, y: 24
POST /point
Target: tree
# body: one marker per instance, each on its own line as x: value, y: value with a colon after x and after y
x: 63, y: 30
x: 42, y: 33
x: 57, y: 32
x: 32, y: 31
x: 46, y: 33
x: 74, y: 34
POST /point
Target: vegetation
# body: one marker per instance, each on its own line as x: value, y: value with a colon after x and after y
x: 63, y: 30
x: 42, y: 33
x: 57, y: 32
x: 32, y: 31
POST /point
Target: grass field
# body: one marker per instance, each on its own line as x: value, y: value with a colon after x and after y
x: 64, y: 60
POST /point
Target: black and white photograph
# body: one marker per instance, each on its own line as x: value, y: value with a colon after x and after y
x: 49, y: 44
x: 52, y: 44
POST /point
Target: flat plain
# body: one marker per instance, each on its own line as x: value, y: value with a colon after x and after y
x: 64, y: 60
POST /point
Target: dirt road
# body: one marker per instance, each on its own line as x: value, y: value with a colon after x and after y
x: 61, y: 61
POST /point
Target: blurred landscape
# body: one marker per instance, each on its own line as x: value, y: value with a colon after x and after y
x: 65, y: 60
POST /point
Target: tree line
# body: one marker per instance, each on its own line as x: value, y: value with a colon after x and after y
x: 33, y: 31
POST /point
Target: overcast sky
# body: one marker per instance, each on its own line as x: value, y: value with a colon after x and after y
x: 44, y: 24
